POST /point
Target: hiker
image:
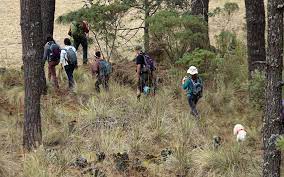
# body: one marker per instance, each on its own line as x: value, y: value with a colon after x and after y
x: 52, y: 55
x: 145, y: 68
x: 68, y: 60
x: 194, y: 87
x: 101, y: 69
x: 79, y: 30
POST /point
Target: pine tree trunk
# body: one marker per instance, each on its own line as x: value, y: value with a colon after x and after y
x: 31, y: 27
x: 47, y: 17
x: 146, y: 26
x: 201, y: 8
x: 272, y: 120
x: 255, y: 18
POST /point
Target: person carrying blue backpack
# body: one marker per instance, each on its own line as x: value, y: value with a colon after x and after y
x: 194, y: 87
x: 101, y: 69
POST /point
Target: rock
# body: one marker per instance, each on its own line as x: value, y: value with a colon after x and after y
x: 101, y: 156
x: 96, y: 172
x: 121, y: 161
x: 216, y: 142
x: 165, y: 153
x: 80, y: 162
x: 71, y: 126
x: 137, y: 166
x: 3, y: 70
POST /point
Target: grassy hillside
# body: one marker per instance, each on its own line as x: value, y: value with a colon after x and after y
x: 118, y: 136
x: 158, y: 134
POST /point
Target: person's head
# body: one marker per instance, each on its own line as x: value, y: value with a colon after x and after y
x: 98, y: 54
x: 49, y: 39
x: 193, y: 71
x: 67, y: 41
x: 138, y: 49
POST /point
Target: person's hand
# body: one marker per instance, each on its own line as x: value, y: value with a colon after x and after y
x: 184, y: 79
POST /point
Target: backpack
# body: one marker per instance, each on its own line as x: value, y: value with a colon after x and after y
x: 104, y: 68
x: 71, y: 56
x: 77, y: 29
x: 149, y: 64
x: 197, y: 88
x: 54, y: 51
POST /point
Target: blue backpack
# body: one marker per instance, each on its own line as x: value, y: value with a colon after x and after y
x: 104, y: 68
x: 197, y: 87
x: 71, y: 56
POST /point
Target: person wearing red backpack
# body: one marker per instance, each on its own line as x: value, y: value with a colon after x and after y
x: 52, y: 55
x: 145, y: 68
x: 79, y: 31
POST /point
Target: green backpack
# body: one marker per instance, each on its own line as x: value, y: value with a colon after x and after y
x: 77, y: 29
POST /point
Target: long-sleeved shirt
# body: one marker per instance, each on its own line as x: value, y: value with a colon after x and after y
x: 96, y: 67
x: 63, y: 54
x: 188, y: 85
x: 46, y: 50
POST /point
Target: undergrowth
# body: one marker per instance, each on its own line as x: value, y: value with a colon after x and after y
x: 85, y: 123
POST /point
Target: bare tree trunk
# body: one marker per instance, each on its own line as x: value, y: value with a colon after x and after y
x: 255, y: 17
x: 272, y: 120
x: 47, y: 17
x: 201, y: 8
x: 31, y: 27
x: 146, y: 27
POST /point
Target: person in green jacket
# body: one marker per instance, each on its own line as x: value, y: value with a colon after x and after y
x: 194, y: 87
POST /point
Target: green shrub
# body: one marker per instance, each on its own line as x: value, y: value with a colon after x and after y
x: 201, y: 58
x: 177, y: 33
x: 226, y: 42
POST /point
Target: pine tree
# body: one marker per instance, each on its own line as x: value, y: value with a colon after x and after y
x: 274, y: 62
x: 255, y: 17
x: 201, y: 8
x: 31, y: 28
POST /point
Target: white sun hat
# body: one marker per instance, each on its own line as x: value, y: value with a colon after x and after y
x: 192, y: 70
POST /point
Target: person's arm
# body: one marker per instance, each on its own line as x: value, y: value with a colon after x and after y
x: 138, y: 70
x: 139, y: 63
x: 62, y: 57
x: 45, y: 52
x: 186, y: 84
x: 70, y: 32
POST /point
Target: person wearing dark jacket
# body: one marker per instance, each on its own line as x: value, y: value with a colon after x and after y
x: 52, y: 61
x: 141, y: 76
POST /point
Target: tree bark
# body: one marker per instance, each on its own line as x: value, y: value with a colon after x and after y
x: 255, y: 18
x: 31, y: 28
x: 146, y: 26
x: 201, y: 8
x: 272, y: 120
x: 47, y: 18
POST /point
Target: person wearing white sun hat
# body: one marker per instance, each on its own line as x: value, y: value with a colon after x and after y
x: 194, y: 87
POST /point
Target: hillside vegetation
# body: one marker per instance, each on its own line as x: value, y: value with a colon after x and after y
x: 111, y: 134
x: 158, y: 134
